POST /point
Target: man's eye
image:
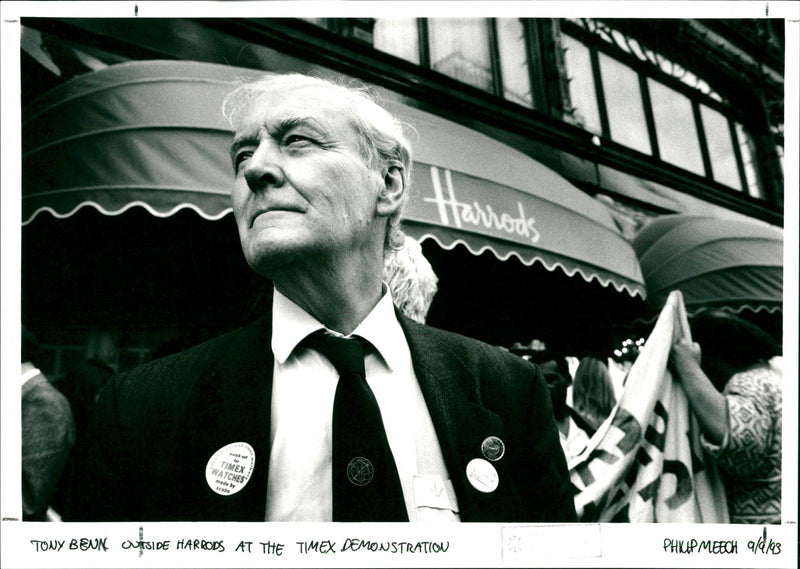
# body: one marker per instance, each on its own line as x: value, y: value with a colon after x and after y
x: 240, y: 157
x: 296, y: 139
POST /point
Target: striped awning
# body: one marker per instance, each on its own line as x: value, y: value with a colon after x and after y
x: 716, y: 263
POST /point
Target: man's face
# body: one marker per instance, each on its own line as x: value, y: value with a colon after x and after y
x: 303, y: 189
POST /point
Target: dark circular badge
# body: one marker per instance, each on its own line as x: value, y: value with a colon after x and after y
x: 360, y: 471
x: 493, y: 448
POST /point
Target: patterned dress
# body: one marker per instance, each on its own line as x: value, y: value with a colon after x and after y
x: 749, y: 456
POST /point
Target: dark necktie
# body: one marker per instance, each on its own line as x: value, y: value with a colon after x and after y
x: 366, y: 487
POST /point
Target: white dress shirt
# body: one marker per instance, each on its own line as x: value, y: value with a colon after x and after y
x: 304, y: 385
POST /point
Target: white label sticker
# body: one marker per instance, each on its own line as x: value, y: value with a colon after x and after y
x: 430, y: 491
x: 230, y: 468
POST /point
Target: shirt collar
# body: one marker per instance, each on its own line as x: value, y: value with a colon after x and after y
x: 382, y: 329
x: 291, y: 324
x: 28, y: 372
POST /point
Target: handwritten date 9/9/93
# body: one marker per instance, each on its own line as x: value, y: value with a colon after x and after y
x: 764, y: 545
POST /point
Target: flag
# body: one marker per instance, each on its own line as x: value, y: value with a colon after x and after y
x: 645, y: 462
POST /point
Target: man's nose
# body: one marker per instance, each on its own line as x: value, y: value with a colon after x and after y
x: 264, y: 169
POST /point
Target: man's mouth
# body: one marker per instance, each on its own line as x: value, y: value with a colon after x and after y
x: 272, y: 209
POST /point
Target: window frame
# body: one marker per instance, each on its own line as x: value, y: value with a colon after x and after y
x: 596, y: 45
x: 533, y: 53
x: 539, y: 71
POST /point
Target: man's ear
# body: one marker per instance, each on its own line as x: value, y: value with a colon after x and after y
x: 392, y: 190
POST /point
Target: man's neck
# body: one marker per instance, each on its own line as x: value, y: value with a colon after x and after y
x: 339, y: 302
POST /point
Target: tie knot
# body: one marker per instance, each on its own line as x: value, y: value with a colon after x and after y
x: 346, y: 354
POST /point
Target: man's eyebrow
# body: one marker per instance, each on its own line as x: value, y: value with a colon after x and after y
x: 286, y: 124
x: 276, y: 131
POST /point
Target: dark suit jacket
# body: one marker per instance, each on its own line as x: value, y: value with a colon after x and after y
x: 156, y: 427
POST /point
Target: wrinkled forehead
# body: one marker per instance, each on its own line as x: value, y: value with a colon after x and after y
x: 313, y: 102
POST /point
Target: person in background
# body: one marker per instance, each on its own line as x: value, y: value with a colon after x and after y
x: 593, y: 392
x: 249, y: 426
x: 47, y: 435
x: 737, y: 398
x: 410, y: 279
x: 571, y: 428
x: 81, y: 385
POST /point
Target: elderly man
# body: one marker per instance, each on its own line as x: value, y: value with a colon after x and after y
x: 333, y: 406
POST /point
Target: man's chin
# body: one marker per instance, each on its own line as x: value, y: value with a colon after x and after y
x: 267, y: 260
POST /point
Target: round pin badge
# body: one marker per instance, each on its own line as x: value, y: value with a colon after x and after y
x: 493, y: 448
x: 230, y: 468
x: 482, y: 475
x: 360, y: 471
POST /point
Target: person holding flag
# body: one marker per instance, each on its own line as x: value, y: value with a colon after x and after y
x: 737, y: 399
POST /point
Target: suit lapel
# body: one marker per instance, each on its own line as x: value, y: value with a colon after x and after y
x: 231, y: 404
x: 451, y: 392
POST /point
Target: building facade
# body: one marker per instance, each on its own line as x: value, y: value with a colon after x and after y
x: 641, y: 118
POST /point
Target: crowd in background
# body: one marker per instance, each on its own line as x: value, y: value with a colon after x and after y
x: 732, y: 376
